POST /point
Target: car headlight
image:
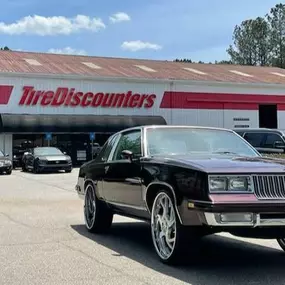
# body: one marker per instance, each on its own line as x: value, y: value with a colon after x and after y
x: 7, y: 162
x: 41, y: 161
x: 230, y: 184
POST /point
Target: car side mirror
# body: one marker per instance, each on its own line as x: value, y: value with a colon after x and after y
x: 127, y: 154
x: 64, y: 153
x: 7, y: 154
x: 279, y: 144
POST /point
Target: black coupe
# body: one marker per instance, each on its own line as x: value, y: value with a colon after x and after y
x: 188, y: 182
x: 39, y: 159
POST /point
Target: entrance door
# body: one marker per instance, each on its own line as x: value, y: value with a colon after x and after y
x: 268, y: 116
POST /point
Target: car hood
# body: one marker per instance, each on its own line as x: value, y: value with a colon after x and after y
x: 228, y: 164
x: 54, y: 157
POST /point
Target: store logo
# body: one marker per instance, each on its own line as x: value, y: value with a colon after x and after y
x: 71, y: 98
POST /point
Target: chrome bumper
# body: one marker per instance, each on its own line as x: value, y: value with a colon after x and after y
x: 242, y: 220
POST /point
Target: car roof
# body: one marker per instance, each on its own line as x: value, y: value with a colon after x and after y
x: 173, y: 126
x: 258, y: 130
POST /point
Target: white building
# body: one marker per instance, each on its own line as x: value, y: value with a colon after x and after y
x: 69, y: 97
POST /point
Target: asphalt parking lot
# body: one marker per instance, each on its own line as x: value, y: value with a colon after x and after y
x: 43, y: 241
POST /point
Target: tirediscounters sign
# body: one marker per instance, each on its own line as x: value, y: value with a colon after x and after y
x: 69, y: 97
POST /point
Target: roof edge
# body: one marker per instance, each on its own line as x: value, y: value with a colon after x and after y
x: 141, y: 80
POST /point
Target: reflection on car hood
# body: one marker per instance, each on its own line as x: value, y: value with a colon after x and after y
x: 229, y: 164
x: 54, y: 157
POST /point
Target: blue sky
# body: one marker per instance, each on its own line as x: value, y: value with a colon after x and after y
x: 154, y: 29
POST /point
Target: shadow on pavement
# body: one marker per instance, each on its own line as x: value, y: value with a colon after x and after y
x: 222, y: 261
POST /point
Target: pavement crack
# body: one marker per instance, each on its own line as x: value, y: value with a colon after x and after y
x: 16, y: 222
x: 104, y: 264
x: 45, y: 183
x: 66, y: 228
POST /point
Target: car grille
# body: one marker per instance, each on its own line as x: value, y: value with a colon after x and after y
x: 55, y: 162
x: 269, y: 186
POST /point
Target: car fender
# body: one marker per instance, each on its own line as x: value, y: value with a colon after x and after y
x: 164, y: 185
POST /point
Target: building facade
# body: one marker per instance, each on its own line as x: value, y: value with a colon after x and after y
x: 65, y: 109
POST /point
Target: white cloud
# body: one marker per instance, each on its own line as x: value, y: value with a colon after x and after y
x: 139, y: 45
x: 68, y: 50
x: 119, y: 17
x: 50, y: 26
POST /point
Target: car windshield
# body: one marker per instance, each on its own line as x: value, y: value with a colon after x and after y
x: 1, y: 154
x: 47, y: 151
x: 196, y: 141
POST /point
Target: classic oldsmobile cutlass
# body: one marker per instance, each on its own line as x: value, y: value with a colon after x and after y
x: 188, y: 182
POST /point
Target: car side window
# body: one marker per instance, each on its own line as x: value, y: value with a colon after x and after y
x: 106, y: 149
x: 271, y: 139
x: 255, y: 139
x: 128, y: 141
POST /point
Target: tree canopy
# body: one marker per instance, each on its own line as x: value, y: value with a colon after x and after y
x: 4, y: 48
x: 258, y: 42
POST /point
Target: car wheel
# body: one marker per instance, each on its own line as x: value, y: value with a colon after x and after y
x: 98, y: 217
x: 281, y: 242
x: 24, y: 169
x: 36, y: 169
x: 9, y: 172
x: 168, y: 235
x: 68, y: 170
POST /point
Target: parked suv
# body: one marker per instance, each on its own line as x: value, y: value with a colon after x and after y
x: 264, y: 140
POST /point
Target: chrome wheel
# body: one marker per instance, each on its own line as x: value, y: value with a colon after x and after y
x: 163, y: 225
x: 89, y: 207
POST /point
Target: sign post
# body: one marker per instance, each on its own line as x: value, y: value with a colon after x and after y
x: 48, y: 138
x: 92, y: 138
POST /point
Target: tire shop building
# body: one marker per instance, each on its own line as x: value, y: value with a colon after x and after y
x: 77, y: 102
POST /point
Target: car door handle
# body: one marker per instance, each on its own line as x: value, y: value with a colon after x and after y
x: 106, y: 169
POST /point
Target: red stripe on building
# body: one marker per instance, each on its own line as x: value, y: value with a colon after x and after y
x: 219, y: 101
x: 5, y: 94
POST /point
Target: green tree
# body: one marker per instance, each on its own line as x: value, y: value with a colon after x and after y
x: 276, y: 20
x: 202, y: 62
x: 251, y: 43
x: 4, y: 48
x: 223, y: 62
x: 183, y: 60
